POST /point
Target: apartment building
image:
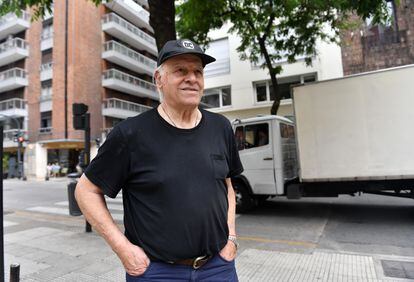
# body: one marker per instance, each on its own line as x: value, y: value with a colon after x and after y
x: 372, y: 46
x: 240, y: 89
x: 102, y: 56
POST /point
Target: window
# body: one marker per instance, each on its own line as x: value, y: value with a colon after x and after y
x: 216, y: 97
x: 46, y: 119
x: 252, y: 136
x: 383, y: 33
x: 286, y: 131
x: 388, y: 22
x: 47, y: 31
x: 219, y: 49
x: 46, y: 93
x: 264, y: 90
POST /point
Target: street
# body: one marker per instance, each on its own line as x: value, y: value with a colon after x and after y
x: 363, y: 238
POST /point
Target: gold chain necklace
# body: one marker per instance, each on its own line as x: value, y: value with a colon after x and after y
x: 195, y: 124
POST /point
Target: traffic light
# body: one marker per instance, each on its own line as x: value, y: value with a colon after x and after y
x: 79, y: 111
x: 19, y: 137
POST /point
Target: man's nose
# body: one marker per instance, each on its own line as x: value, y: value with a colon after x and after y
x: 191, y: 76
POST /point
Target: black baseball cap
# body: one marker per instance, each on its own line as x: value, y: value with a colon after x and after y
x: 182, y: 46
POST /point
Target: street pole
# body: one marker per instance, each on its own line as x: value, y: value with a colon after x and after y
x: 19, y: 157
x: 1, y: 209
x: 88, y: 227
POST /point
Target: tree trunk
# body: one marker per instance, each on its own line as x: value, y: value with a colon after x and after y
x: 162, y: 20
x: 272, y: 72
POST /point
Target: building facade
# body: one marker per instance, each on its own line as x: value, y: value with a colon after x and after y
x: 239, y: 89
x: 377, y: 46
x: 102, y: 56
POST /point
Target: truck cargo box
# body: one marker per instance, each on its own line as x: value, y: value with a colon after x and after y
x: 359, y: 127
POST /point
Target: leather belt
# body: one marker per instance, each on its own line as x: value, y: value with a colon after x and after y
x: 194, y: 263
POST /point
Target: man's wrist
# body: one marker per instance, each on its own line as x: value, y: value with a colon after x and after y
x: 233, y: 239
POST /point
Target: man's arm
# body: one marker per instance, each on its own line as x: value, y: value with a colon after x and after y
x: 92, y: 203
x: 230, y: 250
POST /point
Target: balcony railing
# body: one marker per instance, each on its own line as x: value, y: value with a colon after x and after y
x: 14, y: 103
x: 46, y: 94
x: 13, y: 43
x: 116, y: 46
x: 125, y: 105
x: 46, y: 35
x: 46, y: 66
x: 116, y: 74
x: 111, y: 17
x: 45, y: 130
x: 7, y: 18
x: 385, y: 38
x: 12, y: 73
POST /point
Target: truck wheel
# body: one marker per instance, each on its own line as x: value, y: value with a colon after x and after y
x: 244, y: 201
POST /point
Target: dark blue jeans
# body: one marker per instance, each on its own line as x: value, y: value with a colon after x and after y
x: 216, y: 269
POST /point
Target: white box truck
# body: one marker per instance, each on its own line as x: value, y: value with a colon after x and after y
x: 351, y: 135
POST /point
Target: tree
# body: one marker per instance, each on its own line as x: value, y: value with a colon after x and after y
x: 162, y: 14
x: 274, y: 29
x: 290, y: 27
x: 162, y: 20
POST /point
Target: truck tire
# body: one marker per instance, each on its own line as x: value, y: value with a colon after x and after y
x: 244, y: 201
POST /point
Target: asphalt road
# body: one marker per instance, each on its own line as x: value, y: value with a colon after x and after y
x: 368, y: 224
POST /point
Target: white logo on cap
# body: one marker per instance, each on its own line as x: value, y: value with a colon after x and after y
x: 188, y: 44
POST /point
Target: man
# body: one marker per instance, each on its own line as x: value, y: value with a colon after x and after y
x: 173, y: 164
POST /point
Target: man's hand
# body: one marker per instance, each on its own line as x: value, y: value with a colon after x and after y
x: 229, y: 251
x: 133, y: 258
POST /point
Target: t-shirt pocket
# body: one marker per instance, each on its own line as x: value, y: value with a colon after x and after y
x: 220, y: 166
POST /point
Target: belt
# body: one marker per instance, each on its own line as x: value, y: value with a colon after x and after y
x: 195, y: 263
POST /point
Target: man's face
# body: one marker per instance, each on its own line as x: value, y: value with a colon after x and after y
x: 182, y: 82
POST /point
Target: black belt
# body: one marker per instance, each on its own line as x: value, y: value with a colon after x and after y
x: 195, y: 263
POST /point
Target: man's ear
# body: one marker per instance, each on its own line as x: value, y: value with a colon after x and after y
x: 158, y: 79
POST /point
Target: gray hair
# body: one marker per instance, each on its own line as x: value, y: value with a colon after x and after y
x: 161, y: 71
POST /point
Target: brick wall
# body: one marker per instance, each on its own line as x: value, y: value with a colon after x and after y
x: 365, y: 49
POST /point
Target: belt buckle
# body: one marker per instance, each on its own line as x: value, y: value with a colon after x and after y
x: 195, y: 266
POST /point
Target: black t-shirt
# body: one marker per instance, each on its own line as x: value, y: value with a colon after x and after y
x: 173, y: 181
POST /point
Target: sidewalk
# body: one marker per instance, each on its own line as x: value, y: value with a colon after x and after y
x: 56, y: 248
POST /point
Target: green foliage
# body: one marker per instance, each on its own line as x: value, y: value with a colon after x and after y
x: 6, y: 158
x: 274, y: 29
x: 40, y: 7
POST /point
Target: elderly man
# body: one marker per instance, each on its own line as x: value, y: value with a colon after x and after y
x: 173, y: 164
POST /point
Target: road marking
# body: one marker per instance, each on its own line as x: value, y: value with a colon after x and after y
x: 285, y: 242
x: 53, y: 210
x: 65, y: 211
x: 9, y: 223
x: 110, y: 206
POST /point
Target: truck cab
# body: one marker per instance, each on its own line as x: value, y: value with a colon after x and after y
x: 267, y: 149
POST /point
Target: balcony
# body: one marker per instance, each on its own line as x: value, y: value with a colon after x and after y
x: 12, y: 79
x: 13, y: 50
x: 46, y: 71
x: 46, y: 41
x: 126, y: 57
x: 122, y: 109
x: 8, y: 137
x: 48, y: 15
x: 123, y: 82
x: 142, y: 2
x: 13, y: 107
x: 131, y: 11
x: 127, y: 32
x: 12, y: 23
x: 45, y: 130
